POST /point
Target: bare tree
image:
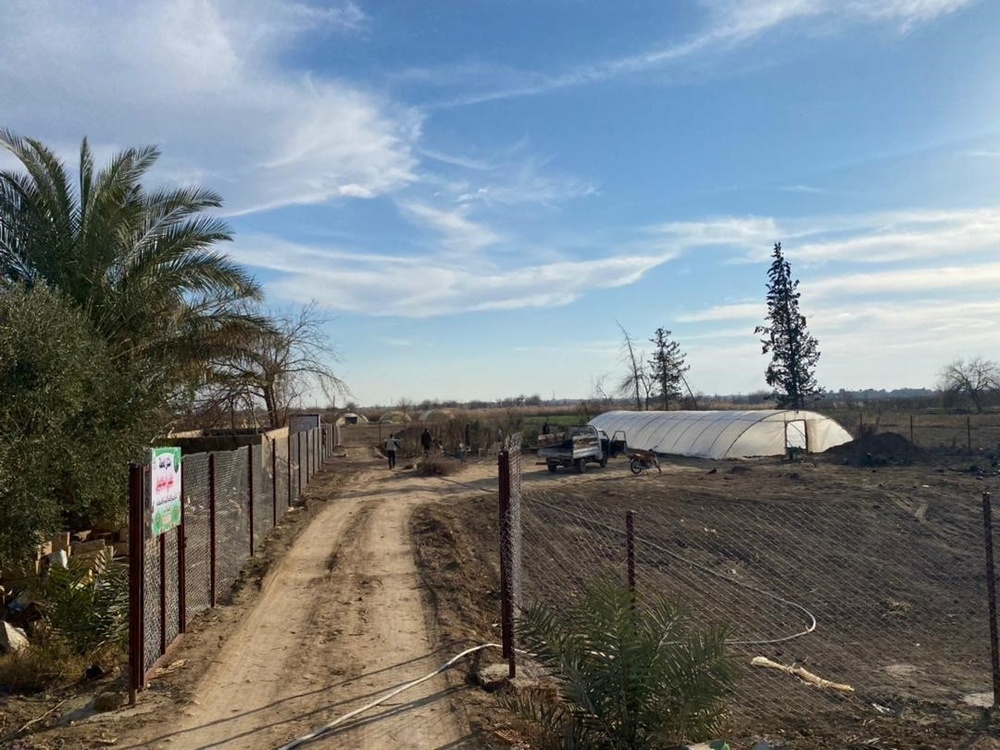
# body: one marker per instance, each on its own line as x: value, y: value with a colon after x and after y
x: 287, y: 359
x: 635, y: 380
x: 976, y: 379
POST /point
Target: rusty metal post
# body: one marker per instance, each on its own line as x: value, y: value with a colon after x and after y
x: 630, y: 549
x: 211, y: 529
x: 182, y: 561
x: 968, y: 434
x: 991, y: 593
x: 298, y: 439
x: 506, y: 593
x: 163, y: 593
x: 250, y: 492
x: 274, y: 483
x: 861, y: 423
x: 136, y: 634
x: 911, y: 428
x: 288, y: 463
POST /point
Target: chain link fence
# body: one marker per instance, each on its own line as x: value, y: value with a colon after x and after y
x: 880, y: 587
x: 955, y: 434
x: 231, y: 501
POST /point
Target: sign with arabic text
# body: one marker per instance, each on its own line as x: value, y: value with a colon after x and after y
x: 165, y: 489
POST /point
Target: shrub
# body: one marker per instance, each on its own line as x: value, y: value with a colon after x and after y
x: 67, y: 418
x: 626, y: 674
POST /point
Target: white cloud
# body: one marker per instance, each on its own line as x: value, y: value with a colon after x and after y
x: 880, y: 237
x: 740, y: 311
x: 981, y: 277
x: 202, y: 79
x: 730, y: 23
x: 461, y: 235
x: 428, y: 285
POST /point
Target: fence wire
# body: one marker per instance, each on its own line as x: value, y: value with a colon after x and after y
x: 266, y: 477
x: 197, y: 533
x: 232, y: 516
x: 151, y: 606
x: 881, y: 589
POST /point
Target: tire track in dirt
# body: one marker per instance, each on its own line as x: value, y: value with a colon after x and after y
x: 340, y: 620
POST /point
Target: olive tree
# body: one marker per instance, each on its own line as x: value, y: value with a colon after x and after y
x: 67, y: 426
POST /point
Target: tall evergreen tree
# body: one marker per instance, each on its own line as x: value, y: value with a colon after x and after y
x: 794, y: 352
x: 667, y: 367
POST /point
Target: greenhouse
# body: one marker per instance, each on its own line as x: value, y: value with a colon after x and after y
x: 724, y: 434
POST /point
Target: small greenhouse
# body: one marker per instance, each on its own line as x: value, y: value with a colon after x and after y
x: 725, y: 434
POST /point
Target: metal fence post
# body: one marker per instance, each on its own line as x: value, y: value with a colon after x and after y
x: 289, y: 465
x: 211, y: 529
x: 163, y: 593
x: 182, y: 561
x: 630, y: 549
x: 136, y: 634
x: 991, y: 593
x: 506, y: 593
x: 274, y: 482
x: 298, y: 441
x: 968, y: 433
x: 911, y: 428
x: 250, y: 492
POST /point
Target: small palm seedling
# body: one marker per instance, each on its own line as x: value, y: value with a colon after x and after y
x: 625, y: 673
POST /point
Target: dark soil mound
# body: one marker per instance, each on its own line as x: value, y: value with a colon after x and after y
x: 879, y: 449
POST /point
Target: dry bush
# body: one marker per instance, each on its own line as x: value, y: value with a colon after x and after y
x: 47, y: 662
x: 437, y: 466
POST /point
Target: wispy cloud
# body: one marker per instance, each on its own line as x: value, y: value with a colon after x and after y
x: 730, y: 23
x: 431, y: 284
x: 205, y: 79
x: 877, y: 237
x: 739, y: 311
x: 459, y: 234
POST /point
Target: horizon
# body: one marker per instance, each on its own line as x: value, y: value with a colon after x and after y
x: 479, y: 193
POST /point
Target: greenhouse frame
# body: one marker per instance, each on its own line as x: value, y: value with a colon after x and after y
x: 725, y: 434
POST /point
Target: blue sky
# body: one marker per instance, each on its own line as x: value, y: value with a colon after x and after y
x: 478, y: 191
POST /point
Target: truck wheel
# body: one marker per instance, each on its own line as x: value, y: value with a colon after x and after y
x: 581, y: 465
x: 604, y: 460
x: 636, y: 466
x: 552, y: 468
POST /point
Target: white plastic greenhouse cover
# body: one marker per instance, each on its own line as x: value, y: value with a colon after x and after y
x: 724, y: 434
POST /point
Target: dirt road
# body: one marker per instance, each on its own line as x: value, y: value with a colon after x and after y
x: 340, y: 621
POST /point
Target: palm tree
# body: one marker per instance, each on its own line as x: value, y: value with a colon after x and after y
x: 140, y: 263
x: 627, y: 673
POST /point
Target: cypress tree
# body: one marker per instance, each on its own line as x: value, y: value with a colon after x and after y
x: 794, y: 352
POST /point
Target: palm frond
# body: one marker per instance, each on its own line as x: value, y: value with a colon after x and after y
x: 628, y: 673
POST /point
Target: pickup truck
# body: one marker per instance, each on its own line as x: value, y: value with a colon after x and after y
x: 576, y: 447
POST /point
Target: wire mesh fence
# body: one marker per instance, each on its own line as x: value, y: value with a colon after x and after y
x: 197, y: 534
x: 956, y: 434
x: 882, y: 589
x: 231, y: 502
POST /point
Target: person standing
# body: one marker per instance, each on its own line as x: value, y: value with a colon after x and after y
x: 426, y: 441
x: 391, y: 446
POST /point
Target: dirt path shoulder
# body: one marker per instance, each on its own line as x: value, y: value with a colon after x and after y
x: 340, y: 620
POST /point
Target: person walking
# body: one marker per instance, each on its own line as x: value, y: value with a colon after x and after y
x: 426, y: 441
x: 391, y: 446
